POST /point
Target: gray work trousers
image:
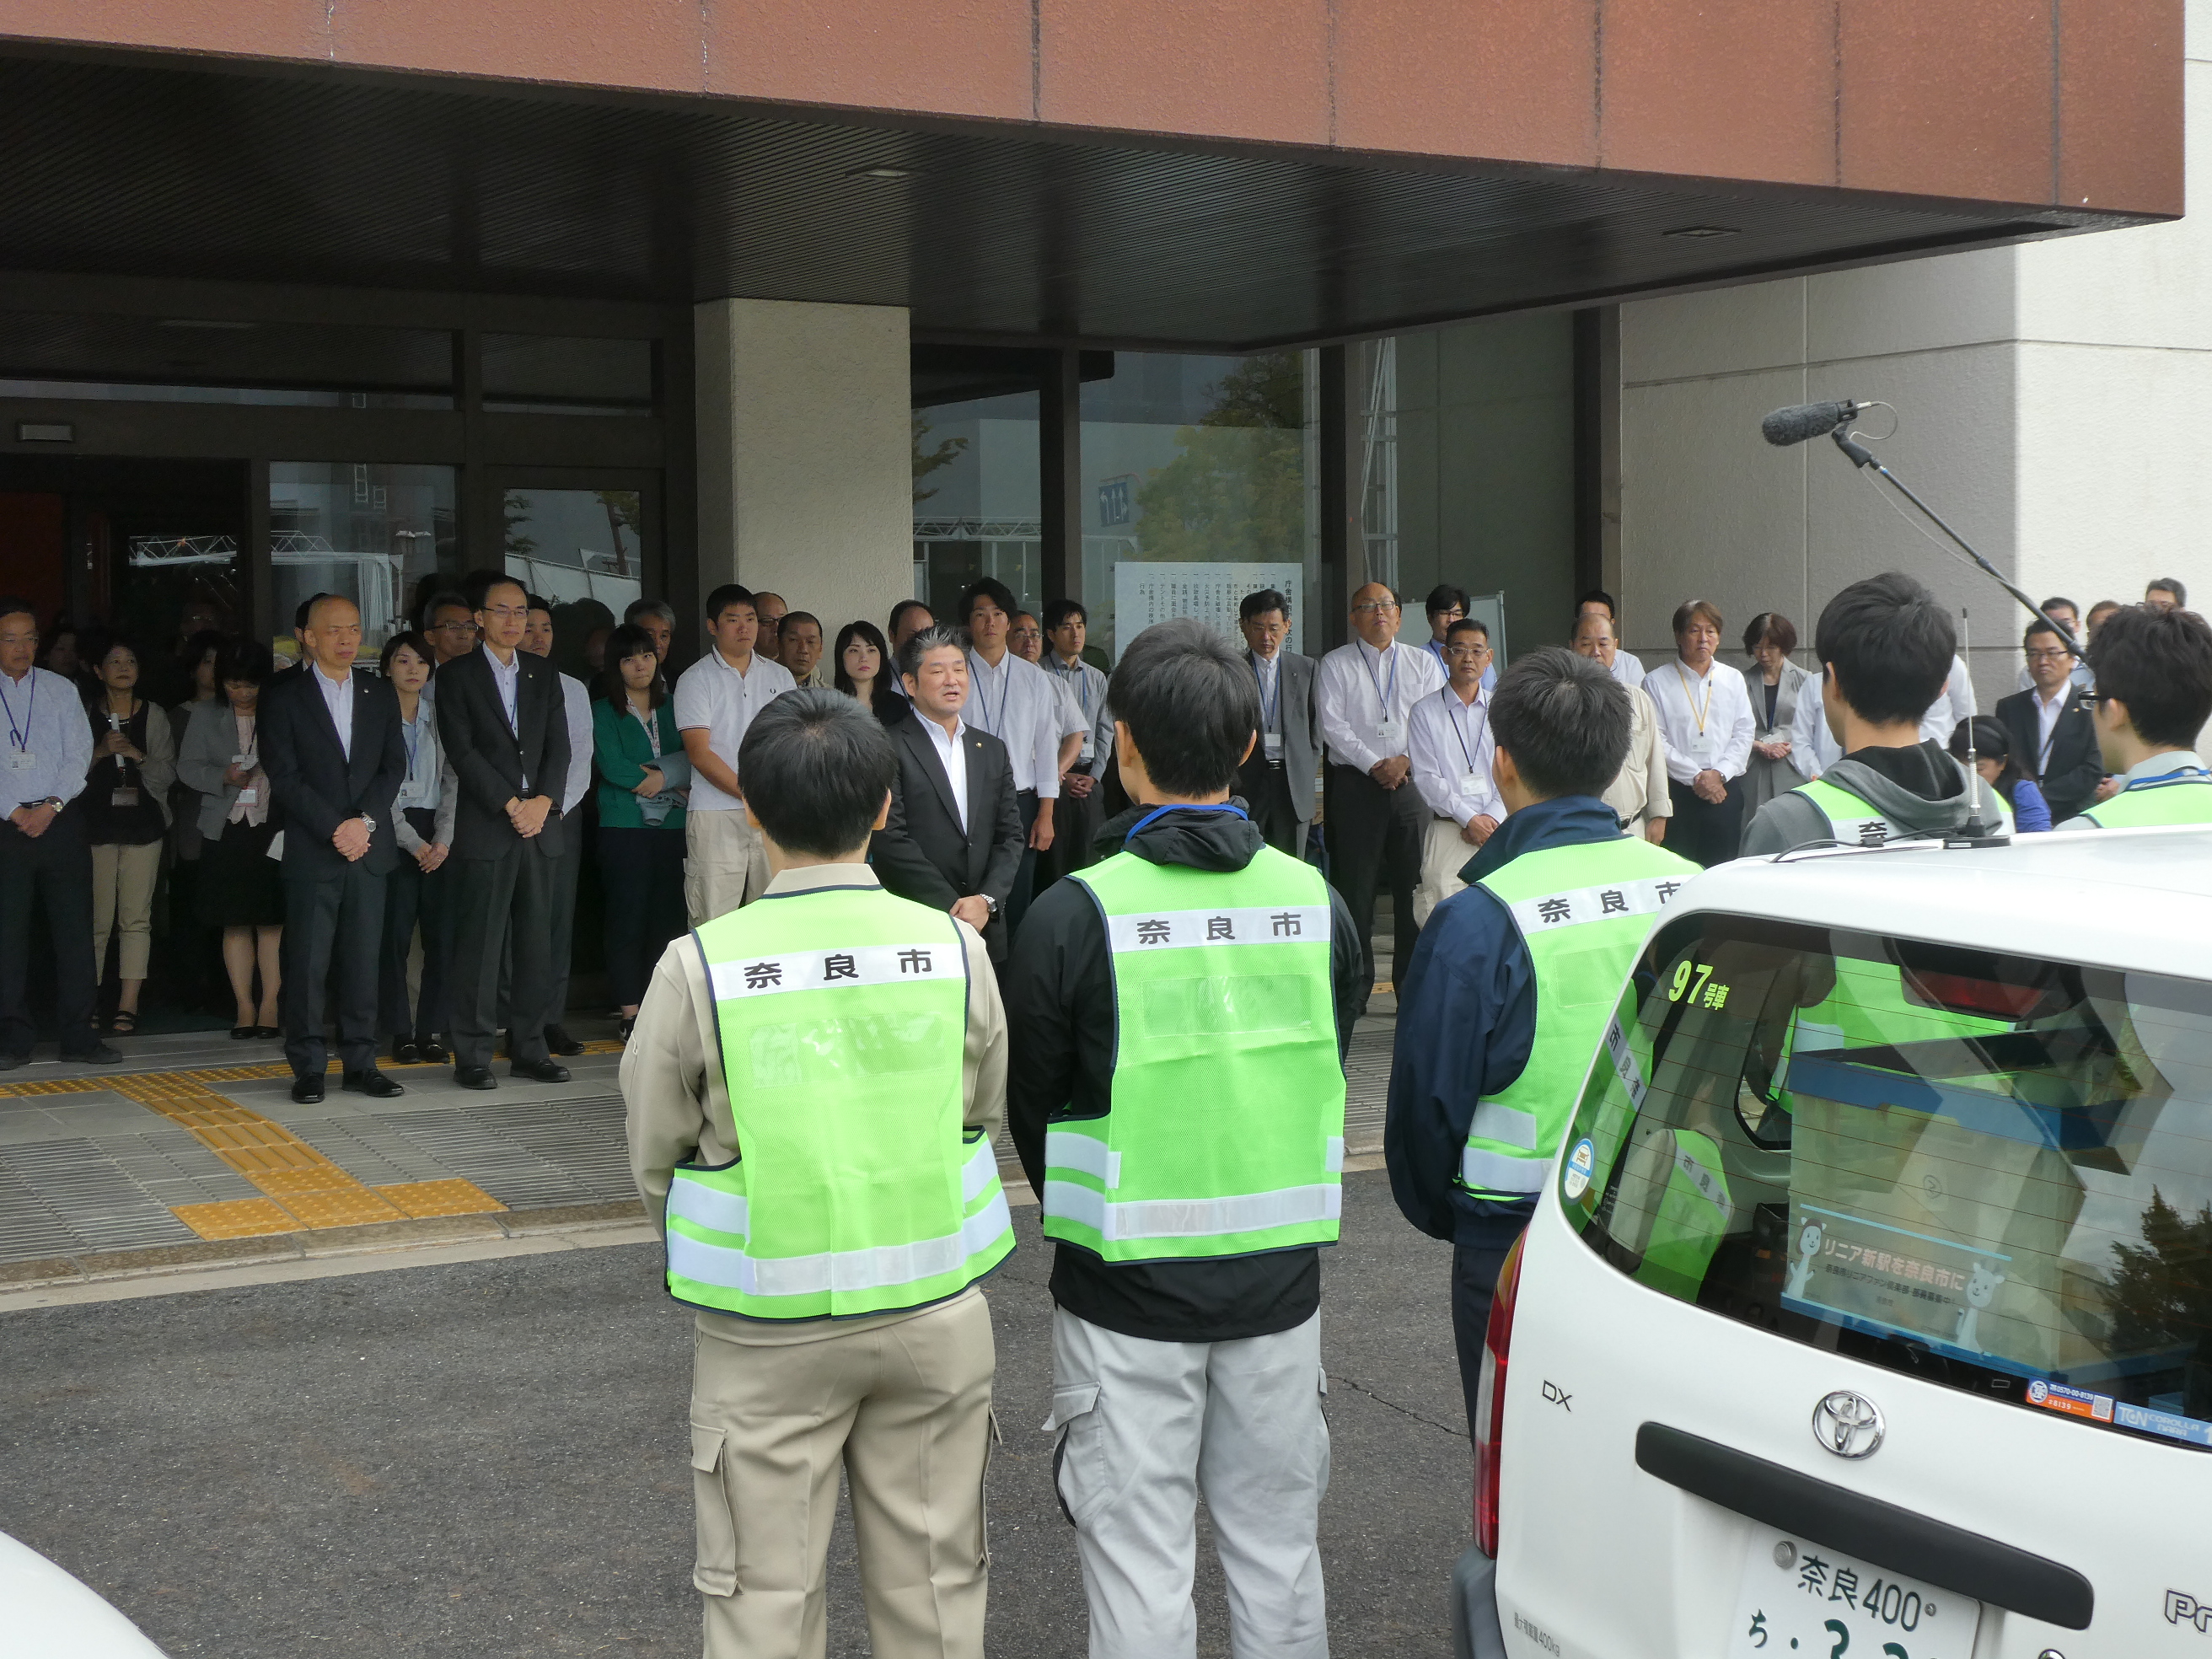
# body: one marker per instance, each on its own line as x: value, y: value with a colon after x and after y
x: 1145, y: 1426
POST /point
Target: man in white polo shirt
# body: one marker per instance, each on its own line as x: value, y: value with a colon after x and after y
x: 725, y: 864
x: 1451, y: 748
x: 1020, y: 705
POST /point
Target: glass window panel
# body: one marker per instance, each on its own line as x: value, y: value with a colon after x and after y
x: 572, y: 546
x: 1199, y: 476
x: 205, y: 360
x: 976, y: 508
x: 369, y: 531
x: 558, y: 374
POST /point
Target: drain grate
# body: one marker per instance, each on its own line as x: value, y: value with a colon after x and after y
x: 530, y: 1155
x: 91, y: 1196
x: 1367, y: 1084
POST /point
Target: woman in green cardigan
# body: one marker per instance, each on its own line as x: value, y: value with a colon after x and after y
x: 643, y: 779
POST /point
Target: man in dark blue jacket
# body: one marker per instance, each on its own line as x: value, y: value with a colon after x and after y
x: 1475, y: 1027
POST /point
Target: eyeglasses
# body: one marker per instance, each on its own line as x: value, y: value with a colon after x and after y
x: 1376, y: 608
x: 454, y: 625
x: 508, y: 613
x: 1464, y: 650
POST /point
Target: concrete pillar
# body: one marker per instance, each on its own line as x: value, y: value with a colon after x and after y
x: 805, y: 468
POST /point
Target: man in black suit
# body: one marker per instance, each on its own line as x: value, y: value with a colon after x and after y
x: 500, y: 721
x: 2053, y: 738
x: 954, y: 838
x: 330, y: 740
x: 1277, y: 778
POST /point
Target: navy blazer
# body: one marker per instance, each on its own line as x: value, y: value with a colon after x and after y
x: 320, y: 784
x: 496, y: 762
x: 2070, y: 775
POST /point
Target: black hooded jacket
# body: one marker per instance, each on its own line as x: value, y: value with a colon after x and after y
x: 1061, y: 1037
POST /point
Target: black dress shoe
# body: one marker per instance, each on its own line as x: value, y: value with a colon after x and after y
x: 267, y: 1033
x: 629, y: 1025
x: 558, y: 1040
x: 433, y: 1052
x: 307, y: 1091
x: 242, y: 1033
x: 9, y: 1062
x: 405, y: 1052
x: 99, y: 1054
x: 373, y: 1084
x: 474, y: 1076
x: 539, y: 1071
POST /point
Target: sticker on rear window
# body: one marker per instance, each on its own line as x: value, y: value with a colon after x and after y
x: 1580, y: 1163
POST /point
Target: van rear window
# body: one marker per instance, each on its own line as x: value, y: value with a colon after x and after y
x: 1992, y: 1172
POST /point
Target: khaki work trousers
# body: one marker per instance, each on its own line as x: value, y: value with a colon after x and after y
x: 725, y: 864
x: 1444, y: 853
x: 123, y: 880
x: 905, y: 1409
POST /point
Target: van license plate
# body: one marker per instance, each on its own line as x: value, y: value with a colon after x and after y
x: 1803, y: 1600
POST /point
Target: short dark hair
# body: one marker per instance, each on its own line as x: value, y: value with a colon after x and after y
x: 866, y: 631
x: 627, y: 641
x: 1191, y: 703
x: 1770, y: 625
x: 919, y: 644
x: 816, y: 768
x: 1891, y: 645
x: 2168, y: 585
x: 14, y: 603
x: 790, y: 616
x: 413, y: 641
x: 1468, y: 625
x: 439, y: 601
x: 537, y: 602
x: 2158, y: 663
x: 481, y: 586
x: 198, y: 647
x: 1564, y: 720
x: 1990, y: 742
x: 723, y: 598
x: 659, y: 608
x: 902, y: 608
x: 1598, y: 596
x: 991, y: 588
x: 1060, y: 609
x: 1260, y: 603
x: 2037, y: 625
x: 2060, y: 602
x: 1445, y: 597
x: 306, y: 608
x: 244, y: 660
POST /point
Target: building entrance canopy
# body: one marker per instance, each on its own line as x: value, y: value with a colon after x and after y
x: 1154, y: 218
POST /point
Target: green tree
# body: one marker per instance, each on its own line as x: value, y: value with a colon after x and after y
x: 516, y: 510
x: 927, y: 461
x: 2162, y: 1290
x: 625, y: 510
x: 1237, y: 491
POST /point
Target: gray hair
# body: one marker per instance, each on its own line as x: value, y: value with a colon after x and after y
x: 935, y: 637
x: 659, y: 608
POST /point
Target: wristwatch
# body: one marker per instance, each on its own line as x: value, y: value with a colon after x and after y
x: 989, y: 903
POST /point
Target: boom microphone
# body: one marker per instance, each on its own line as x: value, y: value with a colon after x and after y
x: 1800, y: 422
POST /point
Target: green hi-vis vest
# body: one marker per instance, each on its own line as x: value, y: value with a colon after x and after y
x: 843, y: 1016
x: 1224, y: 1134
x: 1584, y: 912
x: 1853, y: 822
x: 2184, y: 799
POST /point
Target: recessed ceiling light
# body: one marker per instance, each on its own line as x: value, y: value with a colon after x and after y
x: 1701, y: 232
x: 881, y: 170
x: 205, y: 322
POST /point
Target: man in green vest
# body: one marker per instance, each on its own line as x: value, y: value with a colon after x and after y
x: 1178, y: 1014
x: 1886, y: 648
x: 2153, y: 693
x: 1514, y: 980
x: 811, y: 1085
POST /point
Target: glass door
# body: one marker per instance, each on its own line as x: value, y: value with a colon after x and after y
x: 588, y: 540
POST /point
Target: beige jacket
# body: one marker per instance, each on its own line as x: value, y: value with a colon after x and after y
x: 1640, y: 790
x: 680, y: 1104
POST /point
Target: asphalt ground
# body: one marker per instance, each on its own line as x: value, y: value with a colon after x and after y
x: 490, y: 1458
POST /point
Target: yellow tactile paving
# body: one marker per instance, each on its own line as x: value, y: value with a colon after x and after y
x: 69, y: 1085
x: 237, y: 1218
x: 417, y: 1199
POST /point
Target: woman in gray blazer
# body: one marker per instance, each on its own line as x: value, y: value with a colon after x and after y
x: 241, y: 891
x: 1776, y: 684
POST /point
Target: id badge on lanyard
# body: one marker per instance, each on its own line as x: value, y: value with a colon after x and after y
x: 1271, y: 744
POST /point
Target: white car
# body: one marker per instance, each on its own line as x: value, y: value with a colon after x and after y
x: 1867, y: 1314
x: 44, y: 1613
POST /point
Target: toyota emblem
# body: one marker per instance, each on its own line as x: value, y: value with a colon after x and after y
x: 1849, y: 1424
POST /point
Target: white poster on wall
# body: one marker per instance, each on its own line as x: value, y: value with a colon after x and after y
x: 1148, y: 593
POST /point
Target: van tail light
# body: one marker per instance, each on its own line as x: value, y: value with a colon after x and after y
x: 1489, y: 1426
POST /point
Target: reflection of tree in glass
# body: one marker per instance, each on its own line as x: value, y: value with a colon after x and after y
x: 624, y: 511
x: 1237, y: 491
x: 927, y: 461
x: 516, y: 510
x: 2161, y: 1289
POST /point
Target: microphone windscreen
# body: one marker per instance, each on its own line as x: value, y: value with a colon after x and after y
x: 1794, y: 424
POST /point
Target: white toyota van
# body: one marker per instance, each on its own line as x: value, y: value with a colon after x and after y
x: 1868, y: 1312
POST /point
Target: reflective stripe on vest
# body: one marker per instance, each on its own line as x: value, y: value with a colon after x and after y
x: 2173, y: 800
x: 1851, y: 821
x: 1584, y: 912
x: 842, y: 1017
x: 1224, y: 1134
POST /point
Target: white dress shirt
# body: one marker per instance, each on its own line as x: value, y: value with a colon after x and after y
x: 1365, y: 699
x: 338, y: 697
x: 508, y: 676
x: 1020, y: 705
x: 1812, y: 747
x: 953, y: 758
x: 1954, y: 703
x: 1627, y: 668
x: 576, y: 704
x: 1086, y: 687
x: 1452, y: 745
x: 714, y: 697
x: 49, y: 740
x: 1705, y: 719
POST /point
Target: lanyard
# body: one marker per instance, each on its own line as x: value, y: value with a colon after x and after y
x: 413, y: 738
x: 1266, y: 708
x: 1383, y: 701
x: 21, y: 737
x: 2042, y: 755
x: 1162, y: 811
x: 997, y: 728
x: 1696, y: 713
x: 1459, y: 727
x: 1082, y: 687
